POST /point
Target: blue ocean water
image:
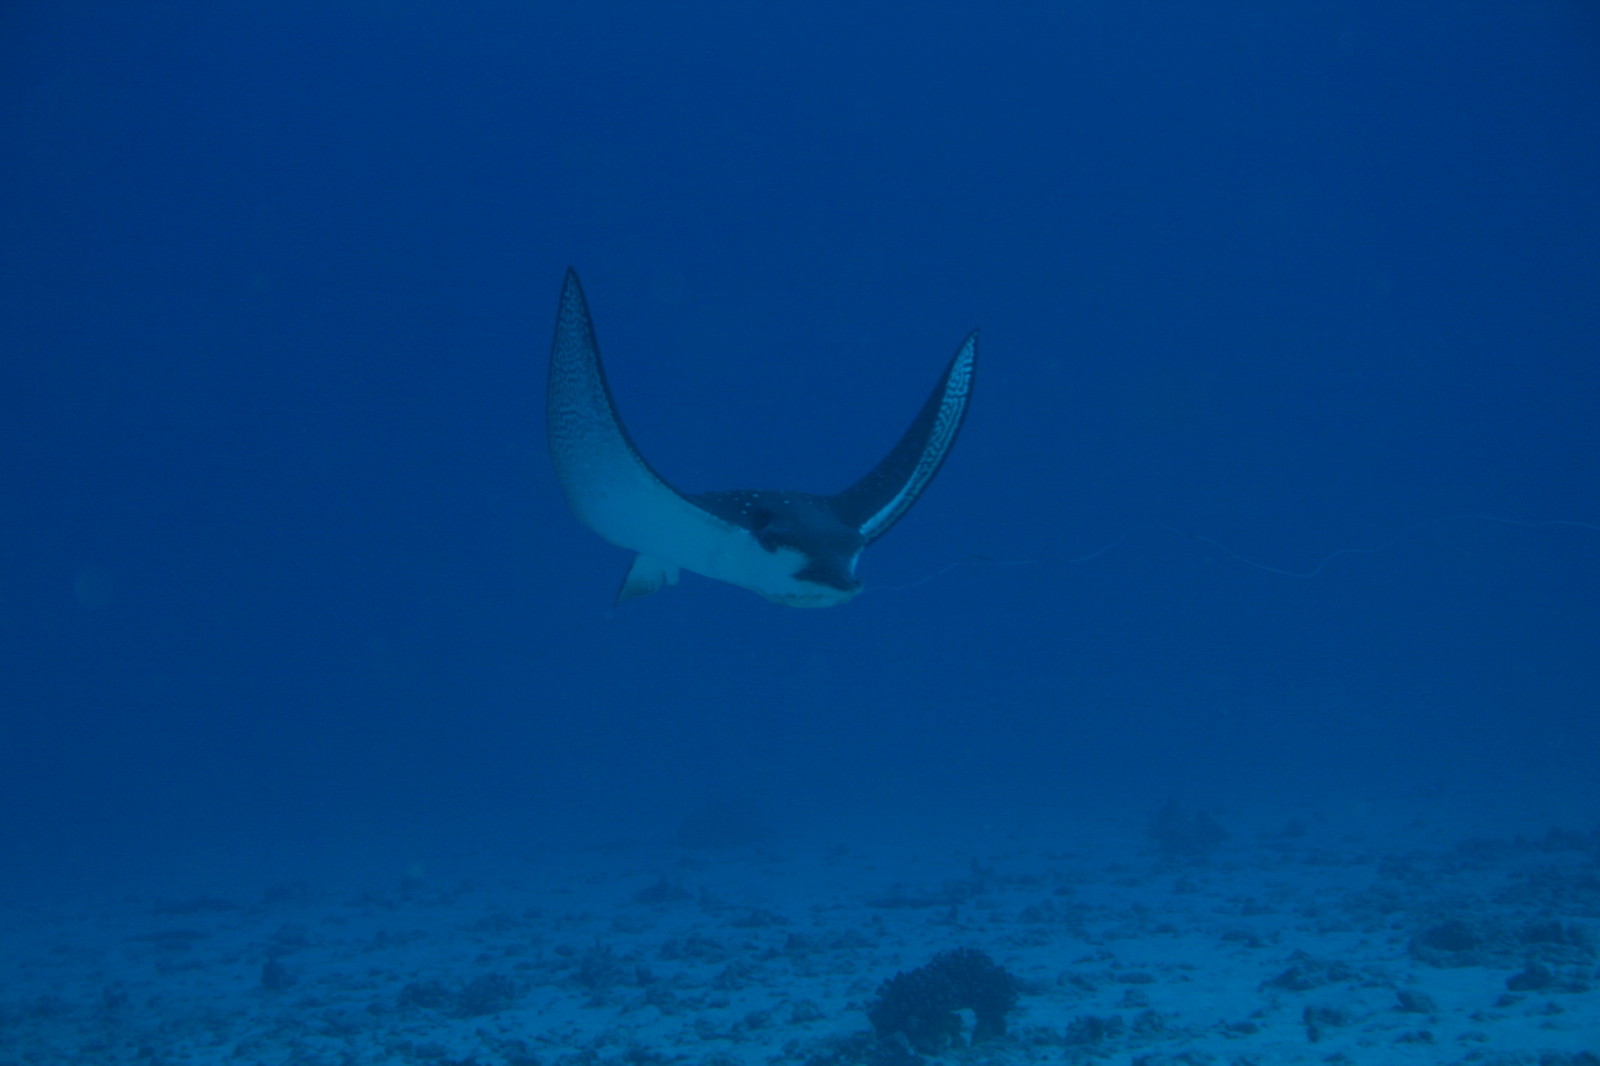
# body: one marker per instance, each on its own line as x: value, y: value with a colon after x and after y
x: 286, y: 566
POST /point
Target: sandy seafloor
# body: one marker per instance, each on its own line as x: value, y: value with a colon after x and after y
x: 1359, y: 933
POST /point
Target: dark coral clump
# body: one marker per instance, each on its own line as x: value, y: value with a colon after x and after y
x: 490, y: 993
x: 487, y: 994
x: 1182, y: 836
x: 921, y: 1006
x: 723, y: 825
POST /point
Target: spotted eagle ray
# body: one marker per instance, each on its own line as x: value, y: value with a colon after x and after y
x: 793, y: 548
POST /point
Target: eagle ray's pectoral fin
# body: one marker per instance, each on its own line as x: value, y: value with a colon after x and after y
x: 607, y: 483
x: 879, y: 500
x: 646, y: 575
